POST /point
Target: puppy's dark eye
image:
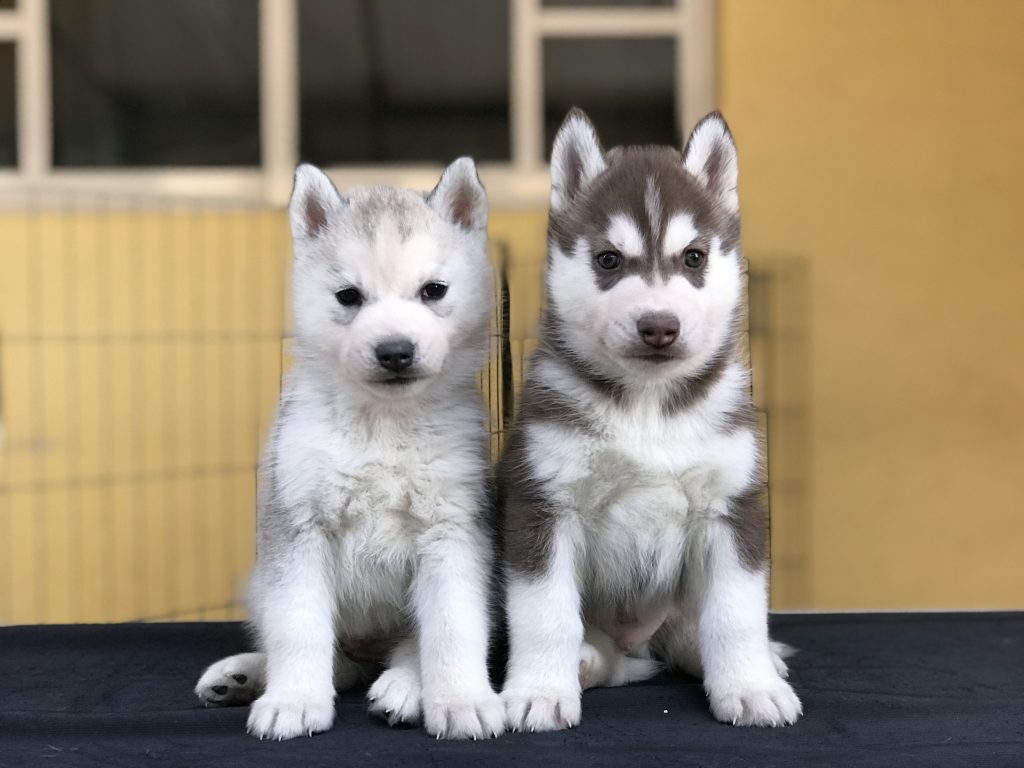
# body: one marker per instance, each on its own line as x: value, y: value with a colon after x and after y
x: 433, y: 291
x: 608, y: 259
x: 693, y: 258
x: 349, y: 297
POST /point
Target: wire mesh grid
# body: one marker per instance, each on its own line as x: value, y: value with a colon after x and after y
x: 141, y: 351
x: 780, y: 357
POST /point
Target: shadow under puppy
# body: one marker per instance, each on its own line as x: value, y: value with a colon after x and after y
x: 632, y: 488
x: 372, y: 542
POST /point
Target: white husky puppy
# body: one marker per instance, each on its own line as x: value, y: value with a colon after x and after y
x: 372, y: 543
x: 632, y: 488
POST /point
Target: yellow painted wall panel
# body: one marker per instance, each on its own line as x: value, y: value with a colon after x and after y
x: 139, y: 357
x: 140, y: 350
x: 882, y: 141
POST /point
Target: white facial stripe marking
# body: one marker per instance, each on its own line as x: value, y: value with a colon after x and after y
x: 652, y: 201
x: 396, y: 267
x: 625, y: 235
x: 678, y: 234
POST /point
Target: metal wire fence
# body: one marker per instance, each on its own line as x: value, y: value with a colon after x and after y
x: 142, y: 345
x: 141, y: 351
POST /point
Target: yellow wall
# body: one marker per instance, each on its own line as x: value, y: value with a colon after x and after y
x: 140, y: 360
x: 882, y: 183
x: 140, y: 356
x: 883, y: 140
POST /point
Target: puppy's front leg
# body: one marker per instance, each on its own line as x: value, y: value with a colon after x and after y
x: 741, y: 677
x: 450, y: 594
x: 292, y: 605
x: 542, y: 688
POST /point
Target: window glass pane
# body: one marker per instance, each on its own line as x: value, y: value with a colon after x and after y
x: 591, y: 3
x: 627, y: 86
x: 393, y: 81
x: 155, y: 83
x: 8, y: 129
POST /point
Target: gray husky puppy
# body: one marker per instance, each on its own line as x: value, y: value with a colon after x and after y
x: 372, y: 543
x: 632, y: 488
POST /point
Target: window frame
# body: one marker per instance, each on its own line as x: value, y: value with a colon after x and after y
x: 521, y: 182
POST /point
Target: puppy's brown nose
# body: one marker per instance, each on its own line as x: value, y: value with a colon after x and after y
x: 658, y: 329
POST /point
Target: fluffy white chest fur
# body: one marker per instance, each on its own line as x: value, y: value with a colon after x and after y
x: 642, y: 485
x: 373, y: 485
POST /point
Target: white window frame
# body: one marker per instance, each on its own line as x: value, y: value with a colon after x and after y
x: 521, y: 182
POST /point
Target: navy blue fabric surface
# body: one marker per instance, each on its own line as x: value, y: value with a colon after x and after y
x: 878, y: 689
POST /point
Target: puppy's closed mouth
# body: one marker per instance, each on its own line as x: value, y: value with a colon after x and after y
x: 655, y: 357
x: 397, y: 381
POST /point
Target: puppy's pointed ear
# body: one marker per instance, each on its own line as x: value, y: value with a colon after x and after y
x: 710, y: 156
x: 576, y: 159
x: 459, y: 197
x: 314, y: 200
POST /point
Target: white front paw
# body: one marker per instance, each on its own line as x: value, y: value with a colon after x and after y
x: 764, y: 699
x: 396, y: 696
x: 454, y: 715
x: 541, y: 708
x: 274, y: 716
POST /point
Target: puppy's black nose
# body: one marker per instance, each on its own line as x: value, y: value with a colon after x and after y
x: 395, y: 355
x: 658, y: 329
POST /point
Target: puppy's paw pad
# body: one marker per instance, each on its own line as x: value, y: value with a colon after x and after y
x: 473, y: 717
x: 228, y: 683
x: 541, y: 709
x: 396, y: 697
x: 280, y: 718
x: 758, y: 702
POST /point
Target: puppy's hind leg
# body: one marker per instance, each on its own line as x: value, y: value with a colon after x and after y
x: 676, y: 644
x: 676, y: 641
x: 603, y: 664
x: 781, y: 652
x: 349, y: 673
x: 397, y: 695
x: 239, y: 680
x: 233, y: 681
